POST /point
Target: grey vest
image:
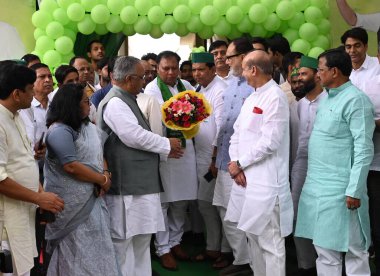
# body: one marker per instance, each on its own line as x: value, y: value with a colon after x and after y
x: 134, y: 171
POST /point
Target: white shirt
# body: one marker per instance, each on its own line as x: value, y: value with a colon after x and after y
x: 151, y: 110
x: 370, y: 22
x: 307, y: 111
x: 362, y: 76
x: 179, y: 177
x: 261, y: 144
x: 17, y: 163
x: 207, y: 135
x: 227, y: 79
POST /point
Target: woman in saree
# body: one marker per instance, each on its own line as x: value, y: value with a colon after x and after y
x: 79, y: 238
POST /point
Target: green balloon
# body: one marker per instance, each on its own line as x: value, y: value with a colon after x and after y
x: 283, y: 27
x: 168, y: 5
x: 234, y: 33
x: 54, y: 30
x: 41, y: 19
x: 64, y: 45
x: 301, y: 45
x: 48, y: 5
x: 72, y: 26
x: 156, y: 32
x: 313, y: 15
x: 75, y: 12
x: 206, y: 32
x: 194, y: 24
x: 315, y: 52
x: 142, y: 25
x: 245, y: 5
x: 89, y: 4
x: 182, y: 14
x: 156, y: 15
x: 222, y: 5
x: 258, y: 13
x: 52, y: 58
x: 129, y: 15
x: 245, y: 25
x: 183, y: 2
x: 169, y: 26
x: 38, y: 54
x: 222, y: 27
x: 115, y: 6
x: 100, y: 14
x: 321, y: 41
x: 297, y: 20
x: 60, y: 16
x: 324, y: 26
x: 270, y: 4
x: 258, y: 30
x: 196, y: 6
x: 129, y: 30
x: 209, y: 15
x: 38, y: 33
x: 182, y: 30
x: 300, y: 5
x: 143, y: 6
x: 308, y: 31
x: 318, y: 3
x: 65, y: 3
x: 326, y: 11
x: 115, y: 25
x: 101, y: 29
x: 272, y: 23
x: 234, y: 15
x: 86, y: 26
x: 285, y: 10
x: 70, y: 33
x: 66, y: 58
x: 44, y: 43
x: 291, y: 35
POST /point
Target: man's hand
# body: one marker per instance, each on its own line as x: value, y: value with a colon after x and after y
x: 352, y: 203
x: 39, y: 153
x: 240, y: 179
x: 233, y: 168
x: 176, y: 150
x: 50, y: 202
x: 213, y: 169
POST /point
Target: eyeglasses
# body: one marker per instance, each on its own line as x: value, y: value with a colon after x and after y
x: 137, y: 76
x: 235, y: 55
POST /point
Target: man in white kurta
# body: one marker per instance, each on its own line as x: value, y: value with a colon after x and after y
x: 212, y: 88
x: 259, y: 154
x: 179, y: 177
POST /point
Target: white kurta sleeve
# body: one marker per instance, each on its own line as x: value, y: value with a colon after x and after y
x: 120, y: 118
x: 3, y: 154
x: 273, y: 129
x: 218, y: 113
x: 234, y: 141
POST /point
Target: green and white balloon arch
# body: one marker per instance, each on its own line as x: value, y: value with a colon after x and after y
x: 303, y: 22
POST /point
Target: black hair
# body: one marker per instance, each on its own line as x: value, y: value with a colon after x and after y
x: 339, y: 59
x: 65, y: 106
x: 62, y: 71
x: 102, y: 62
x: 28, y: 58
x: 89, y: 45
x: 184, y: 63
x: 73, y: 59
x: 14, y: 76
x: 243, y: 45
x: 37, y: 66
x: 216, y: 44
x: 356, y: 33
x: 278, y: 43
x: 260, y: 40
x: 168, y: 54
x: 290, y: 59
x: 149, y: 56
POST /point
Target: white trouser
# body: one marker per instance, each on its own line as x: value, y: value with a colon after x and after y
x: 236, y: 239
x: 133, y: 255
x: 5, y: 245
x: 329, y: 262
x: 174, y: 218
x: 267, y: 251
x: 215, y: 238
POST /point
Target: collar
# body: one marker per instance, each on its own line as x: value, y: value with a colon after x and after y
x: 211, y: 84
x: 133, y: 97
x: 366, y: 63
x: 324, y: 92
x: 6, y: 111
x: 266, y: 86
x: 334, y: 91
x: 37, y: 103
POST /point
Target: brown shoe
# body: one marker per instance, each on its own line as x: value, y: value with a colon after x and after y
x: 168, y: 262
x: 179, y: 253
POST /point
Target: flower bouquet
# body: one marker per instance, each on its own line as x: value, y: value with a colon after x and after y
x: 185, y: 111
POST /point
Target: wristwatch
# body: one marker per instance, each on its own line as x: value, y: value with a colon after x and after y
x: 238, y: 164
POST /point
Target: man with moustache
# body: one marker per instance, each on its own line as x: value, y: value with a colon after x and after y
x: 307, y: 108
x: 95, y: 52
x: 218, y: 49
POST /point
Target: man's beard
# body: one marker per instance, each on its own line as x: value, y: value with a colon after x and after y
x: 307, y: 87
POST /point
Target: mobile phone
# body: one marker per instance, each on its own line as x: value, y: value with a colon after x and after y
x: 40, y: 143
x: 208, y: 176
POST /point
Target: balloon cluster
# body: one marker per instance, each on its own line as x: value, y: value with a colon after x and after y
x: 303, y: 22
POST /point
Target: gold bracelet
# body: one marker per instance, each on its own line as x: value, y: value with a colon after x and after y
x: 105, y: 182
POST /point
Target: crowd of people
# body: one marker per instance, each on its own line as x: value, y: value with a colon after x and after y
x: 292, y: 147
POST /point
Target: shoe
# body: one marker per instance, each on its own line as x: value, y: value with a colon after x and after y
x: 168, y: 262
x: 232, y: 269
x: 224, y: 260
x: 179, y: 253
x: 206, y: 255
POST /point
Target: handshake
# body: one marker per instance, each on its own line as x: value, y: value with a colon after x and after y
x: 176, y: 150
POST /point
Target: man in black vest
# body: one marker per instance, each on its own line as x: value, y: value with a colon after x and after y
x: 133, y: 154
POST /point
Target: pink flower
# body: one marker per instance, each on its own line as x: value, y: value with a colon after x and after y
x: 177, y: 106
x: 187, y: 107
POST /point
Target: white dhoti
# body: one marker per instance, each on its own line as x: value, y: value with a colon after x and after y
x: 329, y: 262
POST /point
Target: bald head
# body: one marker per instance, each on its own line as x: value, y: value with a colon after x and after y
x: 261, y: 60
